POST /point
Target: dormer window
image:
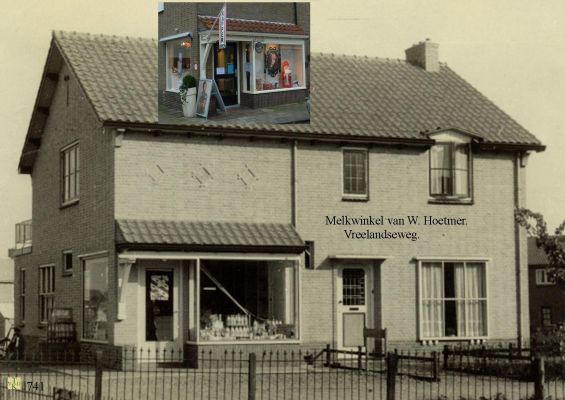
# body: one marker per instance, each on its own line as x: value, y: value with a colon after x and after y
x: 450, y: 172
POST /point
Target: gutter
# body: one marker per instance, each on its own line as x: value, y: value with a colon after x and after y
x: 518, y: 233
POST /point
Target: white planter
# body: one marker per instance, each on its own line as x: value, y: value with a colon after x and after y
x: 189, y: 106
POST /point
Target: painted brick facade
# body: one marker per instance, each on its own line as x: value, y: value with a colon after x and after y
x: 86, y: 227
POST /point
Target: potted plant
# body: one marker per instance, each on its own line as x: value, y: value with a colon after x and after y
x: 187, y: 92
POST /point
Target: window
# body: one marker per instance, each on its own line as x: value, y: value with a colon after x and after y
x: 355, y: 174
x: 277, y: 66
x: 46, y: 291
x: 543, y: 277
x: 546, y: 316
x: 177, y: 62
x: 67, y: 262
x: 453, y: 300
x: 70, y: 167
x: 353, y: 287
x: 248, y: 300
x: 22, y: 295
x: 449, y: 170
x: 95, y: 299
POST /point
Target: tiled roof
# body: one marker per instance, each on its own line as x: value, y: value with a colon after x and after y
x: 360, y: 97
x: 536, y: 255
x: 118, y: 74
x: 206, y: 234
x: 251, y: 25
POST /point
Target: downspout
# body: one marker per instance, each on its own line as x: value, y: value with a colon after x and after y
x: 295, y: 13
x: 293, y: 194
x: 518, y: 237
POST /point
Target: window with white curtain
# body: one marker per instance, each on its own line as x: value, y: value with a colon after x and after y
x: 449, y: 170
x: 453, y: 299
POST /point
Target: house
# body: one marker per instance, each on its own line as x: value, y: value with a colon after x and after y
x: 547, y: 299
x: 392, y: 209
x: 257, y: 32
x: 6, y: 296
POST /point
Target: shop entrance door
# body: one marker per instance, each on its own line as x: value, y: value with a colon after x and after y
x: 352, y: 305
x: 161, y: 311
x: 225, y: 72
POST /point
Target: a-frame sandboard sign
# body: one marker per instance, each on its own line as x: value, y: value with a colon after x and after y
x: 206, y: 89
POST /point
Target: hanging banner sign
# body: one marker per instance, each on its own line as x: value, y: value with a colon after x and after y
x: 222, y: 28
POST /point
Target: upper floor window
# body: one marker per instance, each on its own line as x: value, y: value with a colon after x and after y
x: 543, y: 278
x: 449, y: 170
x: 70, y: 170
x: 355, y: 174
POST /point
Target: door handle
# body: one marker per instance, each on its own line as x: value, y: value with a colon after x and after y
x: 339, y: 302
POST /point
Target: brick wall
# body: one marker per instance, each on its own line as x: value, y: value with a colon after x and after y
x: 85, y: 227
x: 545, y: 296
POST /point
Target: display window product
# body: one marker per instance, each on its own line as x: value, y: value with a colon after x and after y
x: 277, y: 66
x: 248, y: 300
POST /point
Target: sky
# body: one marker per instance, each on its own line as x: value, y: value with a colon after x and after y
x: 511, y: 51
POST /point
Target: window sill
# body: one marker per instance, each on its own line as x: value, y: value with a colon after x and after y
x: 93, y: 341
x: 355, y: 198
x: 274, y: 90
x: 244, y: 342
x: 455, y: 339
x: 451, y: 200
x: 68, y: 203
x: 67, y: 273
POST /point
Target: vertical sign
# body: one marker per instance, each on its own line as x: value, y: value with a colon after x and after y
x: 222, y: 28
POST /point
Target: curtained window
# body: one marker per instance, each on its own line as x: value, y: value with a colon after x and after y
x: 453, y: 299
x: 449, y: 170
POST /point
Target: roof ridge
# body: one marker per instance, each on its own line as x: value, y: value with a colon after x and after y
x: 58, y: 33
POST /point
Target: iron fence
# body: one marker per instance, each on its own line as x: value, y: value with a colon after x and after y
x: 139, y: 374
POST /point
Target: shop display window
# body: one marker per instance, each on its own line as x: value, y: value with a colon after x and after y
x: 178, y: 62
x: 248, y: 300
x: 278, y: 66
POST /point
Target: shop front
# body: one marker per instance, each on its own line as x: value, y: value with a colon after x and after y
x: 263, y: 63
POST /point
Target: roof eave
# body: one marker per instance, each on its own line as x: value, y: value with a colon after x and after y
x: 281, y: 249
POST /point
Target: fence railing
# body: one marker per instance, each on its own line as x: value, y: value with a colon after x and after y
x: 139, y: 374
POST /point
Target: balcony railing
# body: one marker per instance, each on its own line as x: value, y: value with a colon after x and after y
x: 23, y: 234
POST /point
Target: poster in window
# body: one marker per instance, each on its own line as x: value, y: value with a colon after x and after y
x: 273, y: 60
x: 159, y: 287
x: 203, y: 98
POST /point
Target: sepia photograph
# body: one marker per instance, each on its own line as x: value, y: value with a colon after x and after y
x: 282, y: 200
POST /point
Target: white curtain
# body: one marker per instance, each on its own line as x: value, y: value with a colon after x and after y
x: 432, y: 300
x: 475, y: 295
x: 459, y: 271
x: 461, y: 170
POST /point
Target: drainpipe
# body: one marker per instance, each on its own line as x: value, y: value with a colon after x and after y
x: 518, y: 237
x: 293, y: 152
x: 295, y: 13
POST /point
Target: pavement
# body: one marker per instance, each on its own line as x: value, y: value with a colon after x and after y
x: 283, y: 114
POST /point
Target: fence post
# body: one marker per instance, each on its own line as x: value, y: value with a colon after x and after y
x: 328, y: 355
x: 98, y: 376
x: 391, y: 371
x: 251, y: 382
x: 539, y: 378
x: 435, y: 367
x: 445, y: 356
x: 359, y: 359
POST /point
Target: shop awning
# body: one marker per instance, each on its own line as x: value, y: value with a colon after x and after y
x: 181, y: 235
x: 255, y: 26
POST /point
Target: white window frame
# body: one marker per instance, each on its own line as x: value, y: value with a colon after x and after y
x: 354, y: 196
x: 23, y: 289
x: 46, y: 290
x: 68, y: 198
x: 168, y: 42
x: 542, y: 278
x: 443, y: 260
x: 452, y: 145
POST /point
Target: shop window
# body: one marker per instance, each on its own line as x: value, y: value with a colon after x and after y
x: 546, y: 316
x: 355, y: 174
x: 449, y: 170
x: 95, y: 299
x: 453, y: 300
x: 178, y: 62
x: 243, y: 300
x: 46, y: 291
x: 70, y: 171
x: 543, y: 278
x: 277, y: 66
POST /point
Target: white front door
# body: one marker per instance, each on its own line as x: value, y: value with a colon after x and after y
x: 161, y: 310
x: 353, y: 300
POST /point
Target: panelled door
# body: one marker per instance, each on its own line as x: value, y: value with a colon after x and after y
x: 353, y: 301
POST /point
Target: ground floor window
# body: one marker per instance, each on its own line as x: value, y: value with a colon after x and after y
x: 46, y: 291
x: 248, y: 300
x: 453, y: 299
x: 277, y: 66
x: 95, y: 299
x: 177, y: 61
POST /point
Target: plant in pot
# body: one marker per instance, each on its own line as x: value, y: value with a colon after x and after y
x: 187, y: 93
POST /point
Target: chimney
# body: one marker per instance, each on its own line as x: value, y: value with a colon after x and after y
x: 424, y: 55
